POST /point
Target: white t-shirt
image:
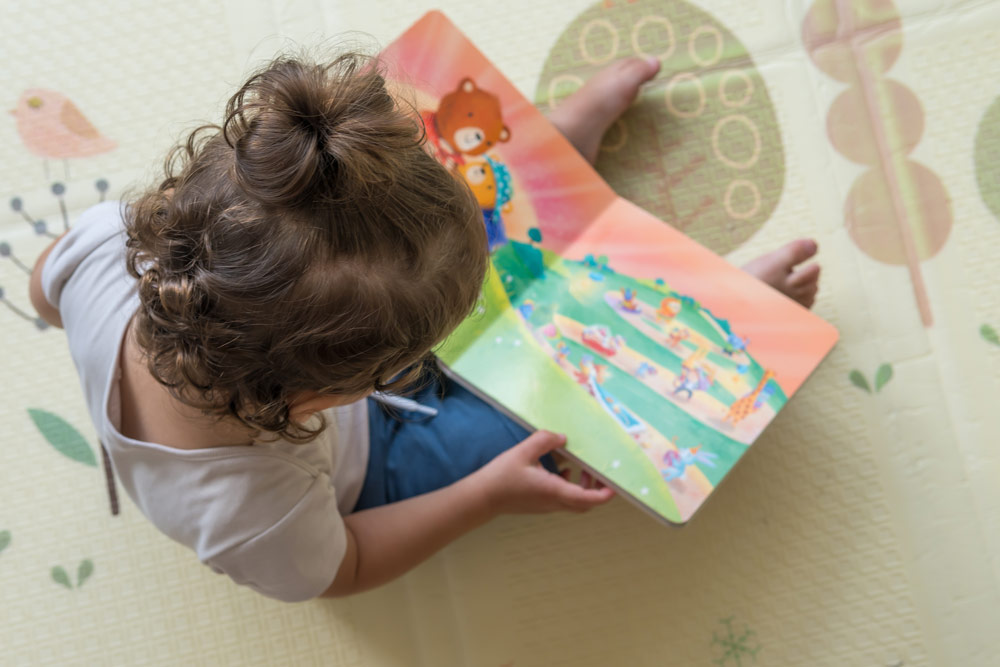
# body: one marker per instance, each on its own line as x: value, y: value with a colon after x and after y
x: 267, y: 515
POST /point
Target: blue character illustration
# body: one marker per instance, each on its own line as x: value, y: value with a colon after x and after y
x: 692, y: 380
x: 765, y: 393
x: 735, y: 344
x: 490, y: 182
x: 645, y: 370
x: 677, y: 462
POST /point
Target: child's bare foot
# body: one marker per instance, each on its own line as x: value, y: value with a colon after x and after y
x: 778, y: 269
x: 586, y: 115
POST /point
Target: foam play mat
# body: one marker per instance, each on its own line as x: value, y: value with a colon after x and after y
x: 863, y: 527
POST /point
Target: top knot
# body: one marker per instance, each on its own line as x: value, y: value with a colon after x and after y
x: 303, y: 133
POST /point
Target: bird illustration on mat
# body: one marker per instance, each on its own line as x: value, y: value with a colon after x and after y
x: 51, y: 126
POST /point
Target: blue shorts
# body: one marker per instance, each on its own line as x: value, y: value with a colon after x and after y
x: 411, y: 453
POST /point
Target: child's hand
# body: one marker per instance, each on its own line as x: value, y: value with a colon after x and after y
x: 516, y: 483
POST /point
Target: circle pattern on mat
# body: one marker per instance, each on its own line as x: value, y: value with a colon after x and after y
x: 701, y: 147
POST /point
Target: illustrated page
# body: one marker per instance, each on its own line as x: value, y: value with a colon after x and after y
x: 660, y: 361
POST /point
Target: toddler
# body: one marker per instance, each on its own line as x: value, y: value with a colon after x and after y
x: 243, y: 332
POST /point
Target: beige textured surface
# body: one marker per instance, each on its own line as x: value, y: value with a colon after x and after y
x: 863, y: 529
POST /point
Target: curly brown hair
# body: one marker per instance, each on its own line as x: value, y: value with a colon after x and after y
x: 309, y: 243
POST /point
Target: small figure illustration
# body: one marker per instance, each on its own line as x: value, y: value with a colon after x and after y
x: 645, y: 370
x: 763, y: 396
x: 735, y: 344
x: 678, y: 461
x: 693, y: 379
x: 669, y: 308
x: 526, y: 309
x: 677, y: 334
x: 743, y: 407
x: 591, y: 376
x: 589, y: 369
x: 629, y: 301
x: 599, y: 338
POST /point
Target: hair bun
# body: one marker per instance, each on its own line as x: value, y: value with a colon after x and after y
x: 301, y: 131
x: 279, y: 122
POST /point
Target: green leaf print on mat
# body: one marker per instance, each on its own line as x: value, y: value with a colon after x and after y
x: 4, y: 539
x: 882, y: 377
x: 60, y: 577
x: 989, y: 334
x: 84, y: 571
x: 61, y: 435
x: 858, y: 380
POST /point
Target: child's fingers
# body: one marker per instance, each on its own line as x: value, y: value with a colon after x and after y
x: 575, y: 497
x: 560, y: 457
x: 594, y: 498
x: 540, y: 443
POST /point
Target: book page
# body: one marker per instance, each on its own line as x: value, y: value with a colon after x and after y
x: 660, y: 361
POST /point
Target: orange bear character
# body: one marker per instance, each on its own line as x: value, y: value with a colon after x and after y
x: 468, y: 121
x: 482, y: 182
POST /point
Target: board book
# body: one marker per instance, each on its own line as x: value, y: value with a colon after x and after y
x: 660, y: 361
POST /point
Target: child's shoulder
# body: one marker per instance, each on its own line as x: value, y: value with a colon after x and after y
x: 96, y: 237
x: 85, y: 278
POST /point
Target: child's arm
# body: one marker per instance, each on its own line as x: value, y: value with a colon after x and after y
x: 385, y: 542
x: 45, y: 310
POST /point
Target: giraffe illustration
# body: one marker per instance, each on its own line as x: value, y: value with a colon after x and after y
x: 742, y: 407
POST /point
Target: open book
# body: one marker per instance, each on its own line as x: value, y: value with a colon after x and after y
x: 660, y: 361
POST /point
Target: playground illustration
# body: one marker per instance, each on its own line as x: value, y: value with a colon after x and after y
x: 680, y: 386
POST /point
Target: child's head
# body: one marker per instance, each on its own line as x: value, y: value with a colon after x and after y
x: 309, y: 244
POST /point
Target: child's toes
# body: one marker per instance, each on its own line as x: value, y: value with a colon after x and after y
x: 634, y: 72
x: 805, y: 277
x: 586, y: 115
x: 796, y: 252
x: 616, y: 86
x: 805, y: 293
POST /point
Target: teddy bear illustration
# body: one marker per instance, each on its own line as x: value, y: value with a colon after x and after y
x: 467, y: 122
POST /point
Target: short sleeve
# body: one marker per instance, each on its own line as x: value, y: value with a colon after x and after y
x: 95, y: 227
x: 298, y: 557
